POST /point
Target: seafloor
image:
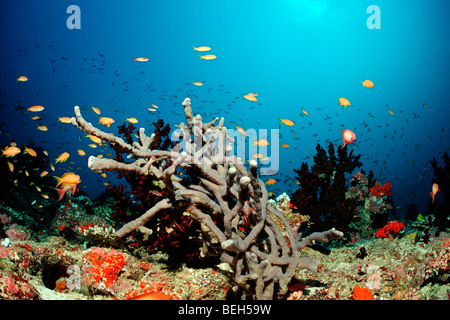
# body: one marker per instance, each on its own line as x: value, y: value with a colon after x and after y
x: 70, y: 267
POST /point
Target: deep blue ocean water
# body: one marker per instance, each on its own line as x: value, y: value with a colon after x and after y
x: 296, y: 54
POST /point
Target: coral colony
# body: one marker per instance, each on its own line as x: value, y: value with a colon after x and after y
x: 189, y: 201
x: 230, y: 202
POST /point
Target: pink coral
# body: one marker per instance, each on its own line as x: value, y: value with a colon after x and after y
x: 15, y: 234
x: 4, y: 219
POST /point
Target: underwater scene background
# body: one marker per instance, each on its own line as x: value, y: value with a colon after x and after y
x: 277, y: 65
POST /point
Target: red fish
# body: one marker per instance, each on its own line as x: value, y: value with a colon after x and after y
x: 434, y: 190
x: 348, y: 136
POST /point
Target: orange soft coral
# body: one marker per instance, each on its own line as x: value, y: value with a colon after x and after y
x: 361, y: 293
x: 60, y: 286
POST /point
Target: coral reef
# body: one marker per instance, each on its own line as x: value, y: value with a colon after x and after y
x: 441, y: 211
x: 65, y: 267
x: 322, y: 190
x: 172, y: 230
x: 229, y: 201
x: 373, y: 204
x: 393, y: 269
x: 25, y: 186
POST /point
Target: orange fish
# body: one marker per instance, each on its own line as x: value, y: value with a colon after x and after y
x: 106, y: 121
x: 141, y: 59
x: 10, y: 151
x: 257, y: 155
x: 35, y: 108
x: 344, y: 102
x: 287, y: 122
x: 132, y: 120
x: 81, y: 152
x: 62, y: 157
x: 241, y: 130
x: 68, y: 182
x: 42, y: 128
x: 434, y: 190
x: 198, y: 84
x: 64, y: 119
x: 250, y: 97
x: 94, y: 139
x: 11, y: 166
x: 348, y: 136
x: 30, y: 151
x: 96, y: 110
x: 21, y: 79
x: 271, y: 181
x: 305, y: 112
x: 367, y: 84
x: 202, y: 48
x: 285, y: 145
x: 391, y: 112
x: 261, y: 143
x: 208, y: 57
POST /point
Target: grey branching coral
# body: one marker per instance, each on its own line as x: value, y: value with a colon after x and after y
x: 228, y: 200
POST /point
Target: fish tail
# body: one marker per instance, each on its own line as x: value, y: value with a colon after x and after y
x: 61, y: 193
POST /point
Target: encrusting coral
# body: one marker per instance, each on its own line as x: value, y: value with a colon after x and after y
x: 229, y: 201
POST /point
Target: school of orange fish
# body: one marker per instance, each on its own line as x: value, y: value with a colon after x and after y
x: 69, y: 181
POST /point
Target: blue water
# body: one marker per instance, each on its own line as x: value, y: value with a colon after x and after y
x: 294, y: 53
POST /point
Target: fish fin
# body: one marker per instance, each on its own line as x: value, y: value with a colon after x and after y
x: 343, y: 140
x: 61, y: 193
x: 58, y: 180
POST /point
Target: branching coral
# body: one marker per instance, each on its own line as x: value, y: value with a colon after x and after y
x: 171, y: 229
x: 228, y: 200
x: 322, y: 189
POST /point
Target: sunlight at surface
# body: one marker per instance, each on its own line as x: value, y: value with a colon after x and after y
x: 307, y: 9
